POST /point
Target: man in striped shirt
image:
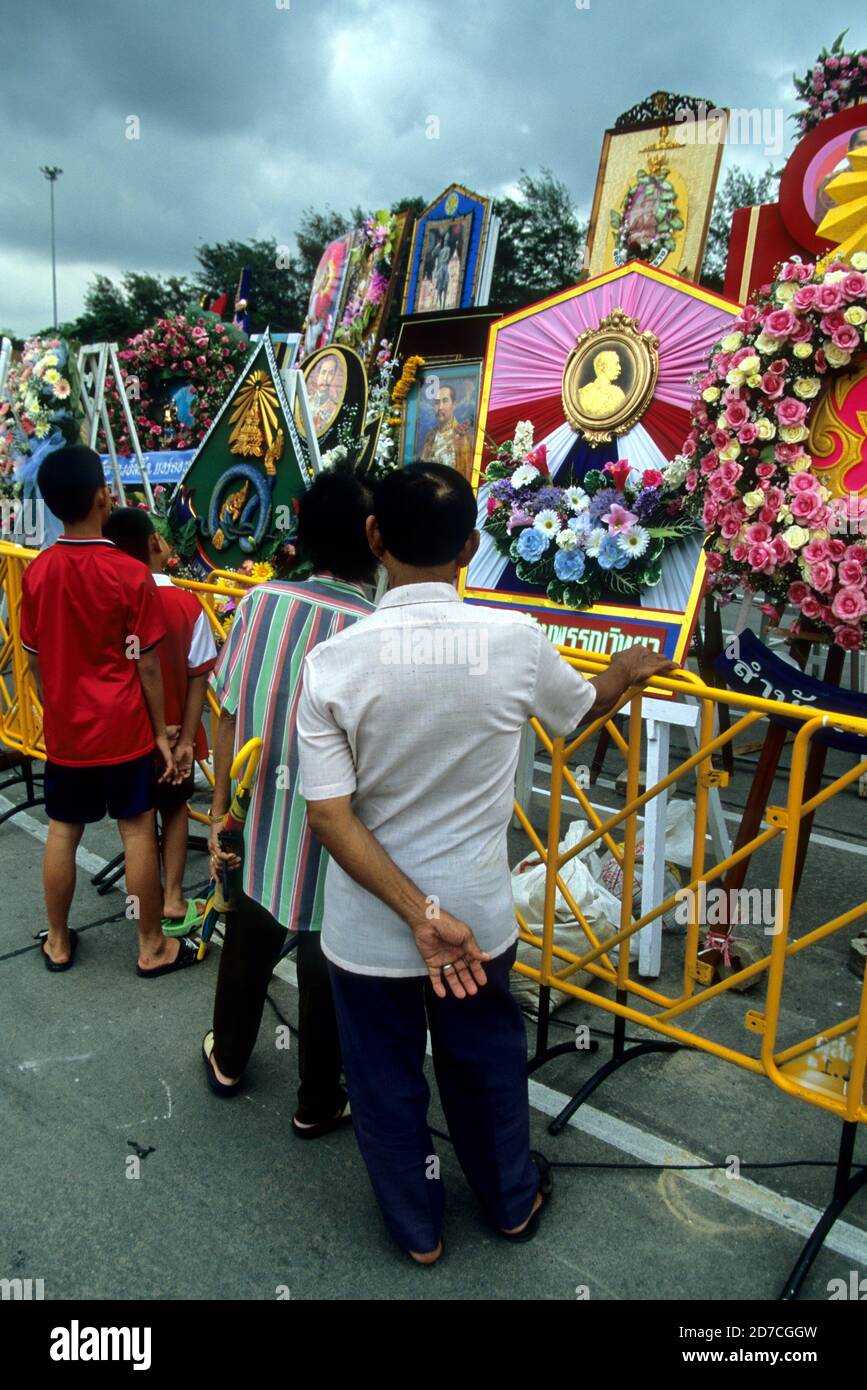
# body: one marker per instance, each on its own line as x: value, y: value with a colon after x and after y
x: 257, y: 682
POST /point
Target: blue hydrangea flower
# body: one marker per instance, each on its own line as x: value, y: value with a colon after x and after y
x: 601, y: 503
x: 569, y: 564
x: 646, y: 502
x: 531, y: 545
x: 550, y: 497
x: 611, y: 556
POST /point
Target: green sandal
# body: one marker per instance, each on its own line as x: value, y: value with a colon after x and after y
x: 176, y: 926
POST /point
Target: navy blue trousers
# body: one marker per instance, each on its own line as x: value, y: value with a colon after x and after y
x: 479, y: 1047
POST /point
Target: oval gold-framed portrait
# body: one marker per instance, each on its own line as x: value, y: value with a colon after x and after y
x: 609, y: 377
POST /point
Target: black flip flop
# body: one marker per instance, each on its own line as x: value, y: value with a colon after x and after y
x: 316, y: 1131
x: 54, y: 966
x: 546, y: 1187
x: 188, y: 954
x: 224, y: 1089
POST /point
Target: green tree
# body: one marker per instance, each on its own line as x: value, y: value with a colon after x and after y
x: 740, y: 189
x: 113, y: 313
x: 277, y: 296
x: 541, y: 242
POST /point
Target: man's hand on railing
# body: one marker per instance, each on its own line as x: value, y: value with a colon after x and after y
x: 635, y: 666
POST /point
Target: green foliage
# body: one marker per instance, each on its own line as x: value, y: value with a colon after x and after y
x: 541, y: 242
x: 113, y: 313
x: 740, y: 189
x: 278, y: 288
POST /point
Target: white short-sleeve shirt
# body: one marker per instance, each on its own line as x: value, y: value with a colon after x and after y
x: 416, y: 712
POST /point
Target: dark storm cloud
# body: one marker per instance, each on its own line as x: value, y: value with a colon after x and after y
x: 249, y: 112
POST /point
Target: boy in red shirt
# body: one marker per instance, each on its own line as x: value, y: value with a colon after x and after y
x: 187, y: 655
x: 90, y: 624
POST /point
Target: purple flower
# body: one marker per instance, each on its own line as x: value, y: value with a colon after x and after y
x: 602, y: 501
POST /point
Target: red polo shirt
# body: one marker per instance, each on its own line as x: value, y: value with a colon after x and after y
x: 82, y: 600
x: 188, y: 649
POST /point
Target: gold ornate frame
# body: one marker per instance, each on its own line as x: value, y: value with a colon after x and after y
x: 617, y: 331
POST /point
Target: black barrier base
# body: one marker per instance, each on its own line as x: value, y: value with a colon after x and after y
x: 620, y: 1055
x: 846, y: 1184
x: 29, y: 778
x: 105, y: 878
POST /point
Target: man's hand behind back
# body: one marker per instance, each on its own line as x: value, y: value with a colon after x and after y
x: 451, y: 953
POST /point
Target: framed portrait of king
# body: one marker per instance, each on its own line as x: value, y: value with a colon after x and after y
x: 441, y: 417
x: 447, y: 253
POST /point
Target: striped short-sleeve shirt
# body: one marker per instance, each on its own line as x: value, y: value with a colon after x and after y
x: 258, y: 680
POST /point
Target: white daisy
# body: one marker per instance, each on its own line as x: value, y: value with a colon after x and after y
x: 634, y: 541
x: 548, y: 522
x: 524, y: 475
x: 595, y: 539
x: 577, y: 499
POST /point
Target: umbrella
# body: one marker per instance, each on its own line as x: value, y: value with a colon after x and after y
x: 222, y: 892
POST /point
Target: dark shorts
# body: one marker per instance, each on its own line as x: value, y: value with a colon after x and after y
x: 82, y: 795
x: 168, y: 797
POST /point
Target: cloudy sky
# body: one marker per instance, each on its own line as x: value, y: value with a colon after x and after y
x: 250, y: 110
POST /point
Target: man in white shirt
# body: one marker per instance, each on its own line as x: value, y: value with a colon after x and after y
x: 408, y: 733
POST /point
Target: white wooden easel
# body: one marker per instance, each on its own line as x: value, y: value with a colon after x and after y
x: 659, y: 717
x: 94, y: 362
x: 295, y: 386
x: 5, y: 359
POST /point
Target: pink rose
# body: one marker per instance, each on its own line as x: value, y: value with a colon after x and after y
x: 846, y: 338
x: 747, y: 317
x: 651, y: 477
x: 765, y: 470
x: 730, y: 471
x: 805, y: 297
x: 836, y: 549
x: 761, y: 558
x: 775, y: 497
x: 801, y: 334
x: 854, y: 285
x: 798, y: 591
x: 858, y: 553
x: 737, y: 414
x: 708, y: 464
x: 729, y: 527
x: 849, y: 638
x: 779, y: 323
x: 804, y: 505
x: 828, y: 297
x: 830, y: 321
x: 770, y: 611
x: 803, y: 482
x: 758, y: 533
x: 788, y: 453
x: 851, y: 574
x: 714, y: 560
x: 849, y: 604
x: 690, y: 482
x: 748, y: 434
x: 822, y: 576
x: 815, y: 551
x: 739, y: 553
x: 709, y: 513
x: 810, y: 606
x: 720, y: 489
x: 773, y: 385
x: 720, y: 438
x: 791, y: 412
x: 782, y: 550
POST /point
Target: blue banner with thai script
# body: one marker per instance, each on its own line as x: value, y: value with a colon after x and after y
x: 166, y: 466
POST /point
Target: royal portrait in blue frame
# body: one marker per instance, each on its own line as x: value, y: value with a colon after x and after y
x: 447, y: 251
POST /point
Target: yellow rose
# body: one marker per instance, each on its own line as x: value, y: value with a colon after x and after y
x: 834, y: 275
x: 749, y: 365
x: 766, y: 344
x: 796, y: 536
x: 754, y: 380
x: 793, y: 434
x: 766, y: 428
x: 710, y: 393
x: 836, y: 356
x: 806, y: 387
x: 785, y: 292
x: 730, y: 452
x: 800, y: 465
x: 803, y: 350
x: 821, y: 534
x: 732, y: 342
x: 855, y: 315
x: 735, y: 377
x: 754, y: 500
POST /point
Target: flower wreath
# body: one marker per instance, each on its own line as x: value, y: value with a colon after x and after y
x: 668, y: 220
x: 373, y: 250
x: 208, y: 354
x: 41, y: 410
x: 774, y: 527
x: 835, y: 80
x: 578, y: 543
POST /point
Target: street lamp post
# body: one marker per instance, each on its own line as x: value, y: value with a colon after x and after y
x: 52, y: 173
